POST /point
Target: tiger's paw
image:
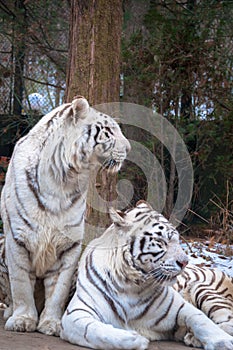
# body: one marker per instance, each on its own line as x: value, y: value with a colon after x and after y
x: 131, y: 340
x: 49, y: 327
x: 219, y: 345
x: 139, y: 342
x: 21, y: 324
x: 190, y: 340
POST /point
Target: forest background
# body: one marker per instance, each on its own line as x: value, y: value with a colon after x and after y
x: 176, y: 58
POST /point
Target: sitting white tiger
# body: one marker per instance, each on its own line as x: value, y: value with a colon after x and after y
x: 43, y: 206
x: 124, y: 297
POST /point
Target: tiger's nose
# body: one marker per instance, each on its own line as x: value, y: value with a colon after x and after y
x: 182, y: 263
x: 127, y: 146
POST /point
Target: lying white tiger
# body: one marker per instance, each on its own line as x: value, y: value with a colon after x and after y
x: 43, y: 206
x: 124, y: 296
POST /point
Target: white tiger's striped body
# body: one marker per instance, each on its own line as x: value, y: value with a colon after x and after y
x: 43, y: 206
x: 123, y: 295
x: 211, y: 291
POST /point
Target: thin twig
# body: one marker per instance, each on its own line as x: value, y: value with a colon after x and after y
x: 201, y: 217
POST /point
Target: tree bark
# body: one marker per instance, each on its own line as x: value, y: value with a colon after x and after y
x: 93, y: 72
x: 94, y: 51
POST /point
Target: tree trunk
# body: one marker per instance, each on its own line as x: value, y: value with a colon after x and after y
x: 93, y: 72
x: 94, y: 52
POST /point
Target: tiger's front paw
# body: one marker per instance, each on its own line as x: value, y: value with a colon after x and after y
x: 190, y: 340
x: 225, y: 343
x: 49, y: 327
x: 21, y: 324
x: 220, y: 345
x: 129, y: 340
x: 137, y: 341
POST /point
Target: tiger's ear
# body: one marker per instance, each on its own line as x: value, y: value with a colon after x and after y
x: 118, y: 218
x: 143, y: 203
x: 80, y: 107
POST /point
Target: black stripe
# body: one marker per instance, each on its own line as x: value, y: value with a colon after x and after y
x: 68, y: 313
x: 105, y: 290
x: 74, y: 199
x: 51, y: 120
x: 220, y: 282
x: 109, y: 130
x: 60, y: 113
x: 100, y: 317
x: 164, y: 315
x: 159, y: 255
x: 78, y: 223
x: 61, y: 152
x: 57, y: 165
x: 70, y: 113
x: 33, y: 185
x: 107, y: 146
x: 98, y: 129
x: 75, y: 244
x: 141, y: 218
x: 25, y: 217
x: 215, y: 308
x: 142, y: 243
x: 26, y: 222
x: 147, y: 221
x: 114, y: 283
x: 177, y: 326
x: 147, y: 307
x: 133, y: 239
x: 125, y: 276
x: 86, y: 329
x: 89, y: 129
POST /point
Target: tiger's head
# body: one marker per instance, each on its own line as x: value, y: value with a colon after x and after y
x: 101, y: 140
x: 150, y: 245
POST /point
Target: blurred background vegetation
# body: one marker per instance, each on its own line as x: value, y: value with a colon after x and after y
x: 177, y: 59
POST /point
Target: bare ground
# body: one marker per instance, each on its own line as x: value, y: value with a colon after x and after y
x: 38, y: 341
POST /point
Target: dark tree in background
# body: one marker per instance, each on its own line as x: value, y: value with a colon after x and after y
x: 93, y: 72
x: 94, y: 51
x: 177, y: 59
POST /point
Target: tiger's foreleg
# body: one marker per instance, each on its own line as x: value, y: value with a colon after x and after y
x: 83, y: 328
x: 57, y: 284
x: 22, y: 282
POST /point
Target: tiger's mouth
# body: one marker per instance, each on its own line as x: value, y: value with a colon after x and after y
x: 112, y: 165
x: 163, y: 277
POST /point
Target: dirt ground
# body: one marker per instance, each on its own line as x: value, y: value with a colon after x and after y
x: 37, y: 341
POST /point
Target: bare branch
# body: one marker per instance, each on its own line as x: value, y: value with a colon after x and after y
x: 44, y: 83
